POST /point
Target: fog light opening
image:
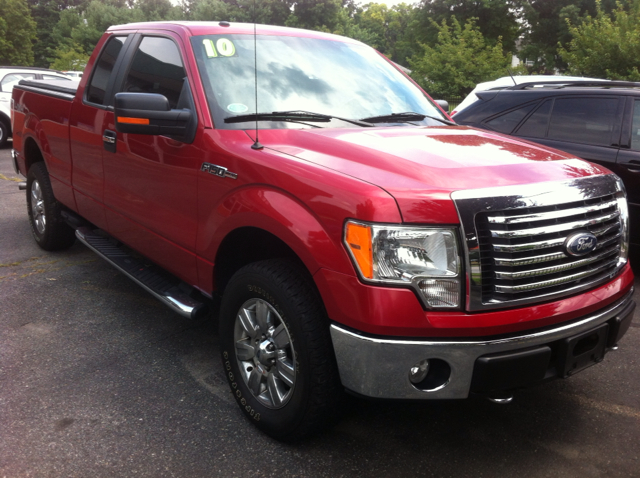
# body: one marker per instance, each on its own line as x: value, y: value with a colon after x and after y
x: 430, y: 375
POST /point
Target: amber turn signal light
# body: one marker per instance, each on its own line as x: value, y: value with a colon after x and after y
x: 124, y: 119
x: 358, y: 239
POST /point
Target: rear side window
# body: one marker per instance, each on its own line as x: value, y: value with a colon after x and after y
x: 583, y: 120
x: 507, y: 122
x: 536, y: 124
x: 102, y: 71
x: 156, y: 68
x: 635, y: 126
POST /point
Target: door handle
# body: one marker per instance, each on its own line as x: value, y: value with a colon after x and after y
x: 109, y: 139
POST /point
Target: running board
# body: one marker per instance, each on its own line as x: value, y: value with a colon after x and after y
x: 162, y: 289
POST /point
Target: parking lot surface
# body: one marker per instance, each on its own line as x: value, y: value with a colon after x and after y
x: 98, y: 379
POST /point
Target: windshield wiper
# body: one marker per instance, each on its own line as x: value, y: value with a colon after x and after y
x: 295, y: 116
x: 406, y: 117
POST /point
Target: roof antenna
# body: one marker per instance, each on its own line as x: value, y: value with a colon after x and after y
x: 257, y: 144
x: 512, y: 78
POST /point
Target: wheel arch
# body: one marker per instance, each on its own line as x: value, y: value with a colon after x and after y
x: 32, y: 153
x: 264, y: 223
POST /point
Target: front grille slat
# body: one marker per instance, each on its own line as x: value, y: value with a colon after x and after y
x: 566, y: 266
x: 545, y: 216
x: 555, y: 282
x: 562, y: 227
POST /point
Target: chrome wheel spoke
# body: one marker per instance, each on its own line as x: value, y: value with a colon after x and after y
x: 37, y: 207
x: 254, y: 382
x: 281, y: 336
x: 244, y: 350
x: 276, y: 390
x: 285, y: 371
x: 263, y: 317
x: 248, y: 324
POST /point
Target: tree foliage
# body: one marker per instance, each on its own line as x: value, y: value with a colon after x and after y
x: 70, y: 58
x: 607, y: 45
x: 546, y: 23
x: 17, y: 32
x: 497, y: 20
x: 459, y: 60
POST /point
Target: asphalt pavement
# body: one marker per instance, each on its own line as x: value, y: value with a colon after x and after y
x: 98, y: 379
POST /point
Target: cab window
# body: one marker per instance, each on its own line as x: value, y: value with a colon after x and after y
x: 102, y: 72
x: 156, y: 68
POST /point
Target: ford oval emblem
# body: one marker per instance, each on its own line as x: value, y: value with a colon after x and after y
x: 580, y: 243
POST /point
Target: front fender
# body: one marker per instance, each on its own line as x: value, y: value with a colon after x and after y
x: 282, y: 215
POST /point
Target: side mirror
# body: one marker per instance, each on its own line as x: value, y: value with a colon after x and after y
x: 444, y: 104
x: 150, y: 113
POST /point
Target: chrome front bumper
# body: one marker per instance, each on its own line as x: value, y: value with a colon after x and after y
x: 379, y: 368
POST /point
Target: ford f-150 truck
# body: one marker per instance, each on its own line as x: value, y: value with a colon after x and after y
x: 356, y: 237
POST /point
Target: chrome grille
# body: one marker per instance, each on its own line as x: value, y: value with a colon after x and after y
x: 522, y: 251
x: 515, y: 239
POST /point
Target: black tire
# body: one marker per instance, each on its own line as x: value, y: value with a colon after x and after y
x: 4, y: 134
x: 312, y: 402
x: 49, y: 230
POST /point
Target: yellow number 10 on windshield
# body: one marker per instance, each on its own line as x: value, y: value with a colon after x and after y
x: 222, y: 47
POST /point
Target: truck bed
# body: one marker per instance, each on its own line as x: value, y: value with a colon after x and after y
x: 58, y: 88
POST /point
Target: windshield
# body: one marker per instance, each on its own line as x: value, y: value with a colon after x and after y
x: 303, y: 74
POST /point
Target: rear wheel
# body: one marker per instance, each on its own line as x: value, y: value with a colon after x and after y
x: 277, y: 351
x: 49, y: 230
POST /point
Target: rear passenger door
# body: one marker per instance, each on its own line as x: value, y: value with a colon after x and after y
x: 585, y: 126
x: 628, y: 163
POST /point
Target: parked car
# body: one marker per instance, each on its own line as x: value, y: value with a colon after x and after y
x: 507, y: 81
x: 598, y: 121
x: 73, y: 74
x: 356, y: 237
x: 9, y: 77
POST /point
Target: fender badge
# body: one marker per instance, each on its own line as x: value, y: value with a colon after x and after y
x: 580, y: 244
x: 218, y: 171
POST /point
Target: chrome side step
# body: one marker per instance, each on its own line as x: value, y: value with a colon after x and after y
x: 162, y: 289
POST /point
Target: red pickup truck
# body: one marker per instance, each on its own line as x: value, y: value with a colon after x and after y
x: 357, y: 238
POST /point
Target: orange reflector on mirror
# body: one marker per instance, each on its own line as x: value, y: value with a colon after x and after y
x: 123, y: 119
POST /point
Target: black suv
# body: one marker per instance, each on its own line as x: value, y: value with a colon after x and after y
x: 597, y: 121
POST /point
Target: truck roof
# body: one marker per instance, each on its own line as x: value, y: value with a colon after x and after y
x: 216, y: 28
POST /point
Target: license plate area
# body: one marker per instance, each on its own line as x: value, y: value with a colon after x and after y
x: 583, y: 350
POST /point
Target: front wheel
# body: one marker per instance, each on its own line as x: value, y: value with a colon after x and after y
x: 276, y: 350
x: 47, y: 226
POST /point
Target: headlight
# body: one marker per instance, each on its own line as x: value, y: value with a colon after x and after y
x: 425, y: 259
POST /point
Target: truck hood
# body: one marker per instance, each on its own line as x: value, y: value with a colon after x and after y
x: 420, y: 167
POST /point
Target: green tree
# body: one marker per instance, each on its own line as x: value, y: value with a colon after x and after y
x: 70, y: 58
x: 323, y: 15
x: 459, y: 60
x: 269, y: 12
x: 17, y: 33
x: 46, y: 14
x: 497, y: 20
x: 606, y: 46
x: 545, y: 25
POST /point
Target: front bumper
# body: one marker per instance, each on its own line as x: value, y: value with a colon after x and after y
x: 379, y: 367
